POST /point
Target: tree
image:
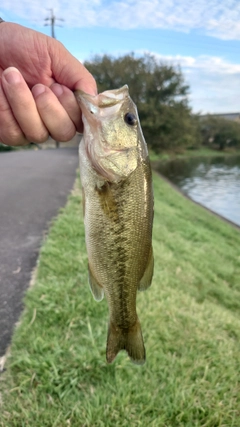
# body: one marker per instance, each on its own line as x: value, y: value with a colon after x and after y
x: 219, y: 132
x: 159, y: 92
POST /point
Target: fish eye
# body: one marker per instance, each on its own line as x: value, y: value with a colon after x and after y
x: 130, y: 119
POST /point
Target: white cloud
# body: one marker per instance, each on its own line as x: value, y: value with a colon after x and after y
x: 213, y: 82
x: 219, y: 18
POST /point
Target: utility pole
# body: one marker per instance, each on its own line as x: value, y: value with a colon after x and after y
x: 52, y: 21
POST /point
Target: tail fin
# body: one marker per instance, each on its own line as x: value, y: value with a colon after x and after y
x: 129, y: 339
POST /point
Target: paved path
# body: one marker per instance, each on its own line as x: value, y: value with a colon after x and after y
x: 33, y: 186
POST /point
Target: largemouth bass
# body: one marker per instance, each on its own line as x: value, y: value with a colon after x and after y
x: 118, y: 213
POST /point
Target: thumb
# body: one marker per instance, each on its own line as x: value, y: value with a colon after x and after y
x: 67, y: 70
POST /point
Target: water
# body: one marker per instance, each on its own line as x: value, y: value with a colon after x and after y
x: 214, y: 182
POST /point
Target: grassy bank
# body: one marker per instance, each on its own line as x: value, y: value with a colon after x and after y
x: 189, y: 153
x: 57, y: 375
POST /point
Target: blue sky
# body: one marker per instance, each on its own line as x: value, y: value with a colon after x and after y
x: 202, y: 36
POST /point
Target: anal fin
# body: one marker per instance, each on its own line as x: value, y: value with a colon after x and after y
x: 96, y: 289
x: 146, y: 280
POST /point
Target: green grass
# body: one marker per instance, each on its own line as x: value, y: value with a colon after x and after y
x: 4, y: 148
x: 182, y: 153
x: 57, y: 375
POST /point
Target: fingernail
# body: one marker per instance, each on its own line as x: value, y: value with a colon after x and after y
x: 87, y: 88
x: 38, y: 90
x: 92, y: 90
x: 12, y: 75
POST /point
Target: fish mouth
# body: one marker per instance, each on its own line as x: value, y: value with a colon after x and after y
x: 112, y: 161
x: 109, y: 98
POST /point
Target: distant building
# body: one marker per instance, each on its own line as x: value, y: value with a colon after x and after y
x: 235, y: 117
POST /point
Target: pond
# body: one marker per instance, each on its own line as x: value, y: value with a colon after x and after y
x: 213, y: 182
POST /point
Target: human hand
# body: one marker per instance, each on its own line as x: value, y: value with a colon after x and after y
x: 37, y: 77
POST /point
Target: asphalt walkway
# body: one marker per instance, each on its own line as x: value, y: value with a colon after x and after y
x: 33, y: 186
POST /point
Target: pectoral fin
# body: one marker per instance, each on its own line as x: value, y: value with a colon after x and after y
x: 146, y: 280
x: 97, y: 290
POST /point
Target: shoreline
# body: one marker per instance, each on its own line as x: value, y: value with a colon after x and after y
x: 175, y: 187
